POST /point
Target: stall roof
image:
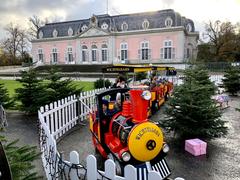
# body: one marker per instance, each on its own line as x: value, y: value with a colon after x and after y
x: 135, y: 68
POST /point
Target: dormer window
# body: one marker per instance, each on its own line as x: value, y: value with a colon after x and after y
x: 104, y: 26
x: 124, y: 26
x: 40, y: 35
x: 168, y: 22
x: 84, y: 27
x: 189, y: 27
x: 70, y: 31
x: 145, y: 24
x: 55, y: 33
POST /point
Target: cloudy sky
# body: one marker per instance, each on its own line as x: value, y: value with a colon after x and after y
x: 200, y: 11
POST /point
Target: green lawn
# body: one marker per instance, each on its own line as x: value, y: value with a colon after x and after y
x: 11, y: 85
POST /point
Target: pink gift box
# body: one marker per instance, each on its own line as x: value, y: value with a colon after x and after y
x: 196, y: 147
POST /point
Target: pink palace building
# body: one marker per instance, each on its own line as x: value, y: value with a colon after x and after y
x: 141, y: 38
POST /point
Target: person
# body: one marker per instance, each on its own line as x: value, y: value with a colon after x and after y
x: 105, y: 107
x: 118, y: 105
x: 120, y: 83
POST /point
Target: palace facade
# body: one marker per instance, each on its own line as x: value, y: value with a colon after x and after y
x: 150, y: 37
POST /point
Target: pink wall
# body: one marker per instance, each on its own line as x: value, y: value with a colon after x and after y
x: 60, y: 45
x: 155, y: 40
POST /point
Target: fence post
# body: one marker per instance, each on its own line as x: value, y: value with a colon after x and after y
x: 74, y: 160
x: 130, y: 172
x: 92, y: 164
x: 110, y: 169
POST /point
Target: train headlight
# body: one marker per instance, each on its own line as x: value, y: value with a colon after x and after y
x: 126, y: 156
x: 146, y: 95
x: 166, y: 148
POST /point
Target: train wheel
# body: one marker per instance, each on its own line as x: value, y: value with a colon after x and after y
x: 100, y: 160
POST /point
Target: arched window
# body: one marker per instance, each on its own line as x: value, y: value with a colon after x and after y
x: 168, y: 22
x: 124, y: 51
x: 70, y: 31
x: 94, y: 53
x: 168, y: 51
x: 84, y: 53
x: 104, y: 52
x: 145, y: 24
x: 124, y: 26
x: 54, y: 56
x: 84, y: 27
x: 144, y: 52
x: 55, y: 33
x: 104, y: 26
x: 40, y: 35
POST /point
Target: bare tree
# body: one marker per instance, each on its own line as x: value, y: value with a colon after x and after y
x: 35, y: 24
x: 16, y: 42
x: 221, y: 35
x: 23, y: 43
x: 11, y: 44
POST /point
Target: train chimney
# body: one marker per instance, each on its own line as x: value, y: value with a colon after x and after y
x: 140, y: 102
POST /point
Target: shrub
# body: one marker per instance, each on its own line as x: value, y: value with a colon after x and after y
x: 231, y: 81
x: 100, y: 83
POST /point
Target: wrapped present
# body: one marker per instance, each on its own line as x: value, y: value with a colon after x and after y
x: 196, y: 147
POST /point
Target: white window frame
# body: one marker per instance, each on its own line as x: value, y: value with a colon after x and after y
x: 104, y: 26
x: 124, y: 28
x: 104, y: 53
x: 84, y: 27
x: 70, y: 58
x: 168, y: 50
x: 84, y: 53
x: 124, y: 51
x: 40, y: 55
x: 145, y: 24
x: 94, y: 53
x: 145, y: 52
x: 168, y: 22
x: 54, y: 55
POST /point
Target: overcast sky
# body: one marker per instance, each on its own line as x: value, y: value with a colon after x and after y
x: 200, y: 11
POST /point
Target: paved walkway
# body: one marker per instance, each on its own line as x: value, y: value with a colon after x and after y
x: 25, y: 129
x: 222, y: 161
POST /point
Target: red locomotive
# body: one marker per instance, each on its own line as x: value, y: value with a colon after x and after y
x: 125, y: 134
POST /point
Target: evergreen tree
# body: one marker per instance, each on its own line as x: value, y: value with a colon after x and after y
x: 20, y: 159
x: 191, y: 111
x: 231, y: 81
x: 32, y: 94
x: 100, y: 83
x: 58, y: 88
x: 5, y: 100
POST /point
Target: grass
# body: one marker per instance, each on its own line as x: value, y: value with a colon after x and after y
x: 11, y: 85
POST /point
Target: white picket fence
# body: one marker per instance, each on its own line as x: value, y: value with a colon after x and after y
x: 177, y: 80
x: 57, y: 119
x: 63, y: 115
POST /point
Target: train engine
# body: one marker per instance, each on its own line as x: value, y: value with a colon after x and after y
x: 126, y: 135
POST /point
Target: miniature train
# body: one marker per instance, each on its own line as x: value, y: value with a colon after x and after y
x: 126, y: 135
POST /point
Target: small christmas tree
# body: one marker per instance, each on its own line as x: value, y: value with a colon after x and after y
x: 57, y: 88
x: 5, y: 100
x: 20, y: 159
x: 32, y: 94
x: 231, y: 81
x: 191, y: 111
